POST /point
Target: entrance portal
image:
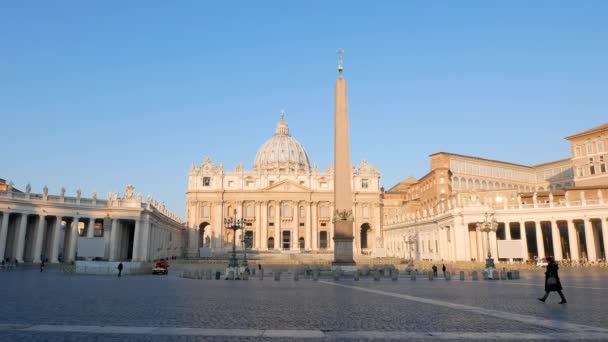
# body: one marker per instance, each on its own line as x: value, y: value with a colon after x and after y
x: 286, y: 239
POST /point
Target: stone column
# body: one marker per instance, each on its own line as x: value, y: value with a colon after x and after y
x: 573, y: 241
x: 590, y: 240
x: 330, y: 239
x: 278, y: 241
x: 145, y: 239
x: 604, y: 237
x: 524, y: 240
x: 296, y: 227
x: 3, y: 233
x: 73, y: 240
x: 308, y: 228
x: 508, y: 235
x: 314, y: 227
x: 264, y: 224
x: 56, y: 240
x: 114, y: 237
x: 556, y: 240
x: 21, y: 238
x: 91, y: 228
x: 137, y: 242
x: 39, y: 238
x: 258, y: 227
x: 540, y: 246
x: 480, y: 245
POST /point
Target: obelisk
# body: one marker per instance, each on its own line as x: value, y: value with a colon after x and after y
x: 343, y: 218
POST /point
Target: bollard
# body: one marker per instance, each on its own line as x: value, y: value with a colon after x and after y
x: 461, y: 275
x: 503, y: 275
x: 218, y: 275
x: 277, y: 276
x: 376, y: 275
x: 336, y: 273
x: 474, y: 276
x: 516, y: 274
x: 387, y: 271
x: 395, y: 275
x: 261, y: 274
x: 208, y: 275
x: 448, y: 276
x: 431, y: 276
x: 315, y: 274
x: 509, y: 275
x: 495, y: 275
x: 413, y: 275
x: 356, y: 275
x: 245, y: 275
x: 296, y: 276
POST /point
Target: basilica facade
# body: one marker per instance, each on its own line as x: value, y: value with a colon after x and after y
x: 286, y: 202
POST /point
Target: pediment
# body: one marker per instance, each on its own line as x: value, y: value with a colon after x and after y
x: 287, y: 186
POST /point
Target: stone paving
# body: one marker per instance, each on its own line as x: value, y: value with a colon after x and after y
x: 319, y: 310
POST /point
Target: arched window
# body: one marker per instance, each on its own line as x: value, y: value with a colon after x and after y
x: 302, y: 212
x: 286, y: 210
x: 271, y: 211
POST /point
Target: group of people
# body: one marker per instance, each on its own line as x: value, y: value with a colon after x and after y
x: 443, y: 269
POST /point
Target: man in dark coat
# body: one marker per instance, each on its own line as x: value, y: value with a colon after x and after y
x: 119, y: 269
x: 434, y: 270
x: 552, y: 282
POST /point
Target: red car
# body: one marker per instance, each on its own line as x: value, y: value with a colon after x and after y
x: 161, y: 267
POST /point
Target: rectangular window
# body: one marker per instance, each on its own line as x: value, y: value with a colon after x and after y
x: 286, y: 211
x: 364, y: 184
x: 271, y: 224
x: 365, y: 212
x: 206, y: 181
x: 601, y: 159
x: 600, y: 146
x: 603, y: 168
x: 589, y: 148
x: 230, y: 183
x: 323, y: 185
x: 579, y: 172
x: 250, y: 211
x: 323, y: 212
x: 271, y: 182
x: 302, y: 212
x: 250, y: 184
x: 205, y: 211
x: 591, y: 170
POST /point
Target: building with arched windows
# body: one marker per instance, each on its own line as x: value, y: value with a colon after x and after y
x: 287, y: 203
x: 552, y: 209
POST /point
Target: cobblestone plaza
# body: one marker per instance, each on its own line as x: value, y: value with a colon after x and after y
x: 52, y: 306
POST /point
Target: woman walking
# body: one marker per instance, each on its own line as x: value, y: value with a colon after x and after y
x: 552, y: 282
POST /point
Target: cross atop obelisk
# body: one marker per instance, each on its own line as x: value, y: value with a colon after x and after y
x: 343, y: 218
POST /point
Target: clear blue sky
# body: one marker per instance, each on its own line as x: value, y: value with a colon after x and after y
x: 97, y: 95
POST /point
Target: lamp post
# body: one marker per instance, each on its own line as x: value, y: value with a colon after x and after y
x: 488, y: 225
x: 233, y: 224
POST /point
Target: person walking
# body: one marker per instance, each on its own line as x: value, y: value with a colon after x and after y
x: 443, y: 269
x: 552, y: 282
x: 42, y: 266
x: 119, y: 269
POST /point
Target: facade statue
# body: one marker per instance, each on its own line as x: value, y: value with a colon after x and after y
x: 221, y: 167
x: 139, y: 197
x: 207, y: 241
x: 10, y: 186
x: 62, y: 191
x: 78, y: 193
x: 238, y: 167
x: 94, y: 195
x: 45, y: 190
x: 149, y: 199
x: 551, y: 197
x: 109, y: 196
x: 129, y: 192
x: 535, y: 197
x: 28, y: 188
x: 315, y: 168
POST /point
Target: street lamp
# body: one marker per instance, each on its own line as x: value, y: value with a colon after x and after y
x: 234, y: 225
x: 488, y: 225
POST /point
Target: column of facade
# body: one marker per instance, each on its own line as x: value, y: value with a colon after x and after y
x: 145, y: 237
x: 71, y: 254
x: 3, y: 233
x: 314, y: 226
x: 330, y: 240
x: 56, y: 240
x: 264, y: 224
x: 604, y: 237
x: 91, y: 228
x: 39, y: 238
x: 524, y: 240
x: 556, y: 240
x: 508, y: 235
x: 258, y: 233
x: 480, y: 244
x: 278, y: 241
x: 307, y: 227
x: 193, y: 229
x: 114, y: 236
x: 590, y: 241
x: 21, y: 238
x: 137, y: 242
x: 573, y: 241
x: 540, y: 246
x: 296, y: 229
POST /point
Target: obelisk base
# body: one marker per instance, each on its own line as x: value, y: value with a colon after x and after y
x: 343, y: 252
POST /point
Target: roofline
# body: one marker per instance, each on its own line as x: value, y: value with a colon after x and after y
x: 596, y: 129
x: 550, y: 162
x: 479, y: 158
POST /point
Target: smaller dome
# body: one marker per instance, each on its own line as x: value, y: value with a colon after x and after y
x: 282, y: 153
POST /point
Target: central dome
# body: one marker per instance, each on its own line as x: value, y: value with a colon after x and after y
x: 282, y: 153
